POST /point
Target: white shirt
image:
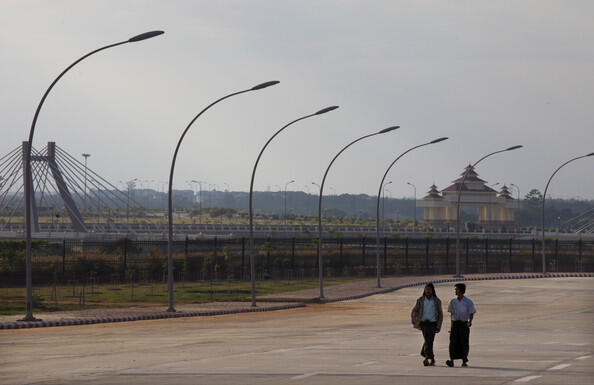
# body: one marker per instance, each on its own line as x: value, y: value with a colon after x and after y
x: 461, y: 309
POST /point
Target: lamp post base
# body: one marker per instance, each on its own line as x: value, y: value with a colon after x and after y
x: 458, y: 276
x: 171, y: 310
x: 30, y: 318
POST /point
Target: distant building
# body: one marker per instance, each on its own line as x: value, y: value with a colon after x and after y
x: 495, y: 210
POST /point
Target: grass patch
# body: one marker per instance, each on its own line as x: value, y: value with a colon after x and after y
x: 68, y: 297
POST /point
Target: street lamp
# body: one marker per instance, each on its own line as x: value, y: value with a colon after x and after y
x: 377, y: 259
x: 285, y: 211
x: 384, y: 202
x: 199, y: 199
x: 320, y: 258
x: 169, y: 194
x: 252, y: 265
x: 544, y: 266
x: 130, y: 185
x: 517, y: 204
x: 459, y: 193
x: 415, y: 205
x: 85, y: 155
x: 28, y: 185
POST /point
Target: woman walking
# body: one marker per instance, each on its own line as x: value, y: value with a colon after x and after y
x: 427, y: 316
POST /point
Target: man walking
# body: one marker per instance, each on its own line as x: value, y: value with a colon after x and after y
x: 462, y: 310
x: 427, y: 316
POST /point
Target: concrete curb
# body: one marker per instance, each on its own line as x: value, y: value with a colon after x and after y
x: 163, y: 315
x: 444, y: 280
x: 140, y: 317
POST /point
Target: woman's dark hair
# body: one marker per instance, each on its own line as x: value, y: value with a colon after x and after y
x: 461, y: 287
x: 432, y: 288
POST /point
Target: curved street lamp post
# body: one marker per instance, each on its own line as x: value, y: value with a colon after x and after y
x: 544, y: 265
x: 384, y: 205
x: 28, y: 185
x: 285, y: 206
x: 414, y: 205
x: 377, y: 258
x: 320, y: 257
x: 169, y: 197
x: 459, y: 193
x: 252, y: 264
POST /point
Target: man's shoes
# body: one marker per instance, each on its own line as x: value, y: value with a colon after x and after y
x: 426, y: 362
x: 450, y: 363
x: 432, y: 362
x: 464, y: 363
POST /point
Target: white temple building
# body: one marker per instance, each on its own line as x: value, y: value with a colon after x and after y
x: 495, y: 209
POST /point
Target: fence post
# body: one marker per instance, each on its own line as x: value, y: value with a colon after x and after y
x: 242, y: 257
x: 447, y: 256
x: 427, y: 239
x: 293, y: 253
x: 363, y: 251
x: 580, y: 268
x: 125, y: 254
x: 63, y: 257
x: 486, y: 255
x: 467, y: 251
x: 511, y: 269
x: 557, y: 253
x: 385, y: 253
x: 406, y: 254
x: 534, y: 266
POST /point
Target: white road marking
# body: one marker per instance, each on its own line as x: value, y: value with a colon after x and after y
x: 366, y: 363
x: 304, y: 376
x: 526, y: 379
x: 583, y: 357
x: 531, y: 361
x: 559, y: 367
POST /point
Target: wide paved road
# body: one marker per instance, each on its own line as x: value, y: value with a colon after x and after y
x: 538, y: 331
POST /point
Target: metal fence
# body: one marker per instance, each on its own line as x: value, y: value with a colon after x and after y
x: 297, y: 258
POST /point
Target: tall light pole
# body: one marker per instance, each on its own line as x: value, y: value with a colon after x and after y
x: 285, y: 208
x: 517, y: 204
x: 199, y: 199
x: 459, y: 193
x: 169, y: 194
x: 377, y: 258
x: 414, y: 206
x: 85, y: 155
x: 544, y: 265
x: 28, y: 185
x: 384, y: 202
x: 252, y: 264
x: 320, y: 257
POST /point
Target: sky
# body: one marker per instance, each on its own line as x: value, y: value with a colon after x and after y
x: 488, y: 75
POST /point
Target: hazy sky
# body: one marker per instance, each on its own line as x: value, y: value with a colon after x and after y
x: 487, y: 74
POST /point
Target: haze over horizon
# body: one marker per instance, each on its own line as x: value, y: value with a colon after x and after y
x: 487, y: 75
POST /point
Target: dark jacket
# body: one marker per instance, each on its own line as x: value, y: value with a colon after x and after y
x: 417, y: 312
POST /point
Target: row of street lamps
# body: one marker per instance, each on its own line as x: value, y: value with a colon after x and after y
x: 171, y: 308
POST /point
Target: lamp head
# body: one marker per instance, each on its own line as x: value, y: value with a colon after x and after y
x: 265, y: 85
x: 439, y: 140
x: 327, y: 109
x: 388, y: 129
x: 144, y: 36
x: 514, y: 148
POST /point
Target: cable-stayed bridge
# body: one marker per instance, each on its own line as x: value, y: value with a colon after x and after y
x: 63, y: 190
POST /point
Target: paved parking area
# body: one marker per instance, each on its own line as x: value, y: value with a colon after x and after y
x: 536, y: 331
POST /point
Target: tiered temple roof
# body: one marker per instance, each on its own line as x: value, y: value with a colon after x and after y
x: 504, y: 193
x: 433, y: 193
x: 478, y: 185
